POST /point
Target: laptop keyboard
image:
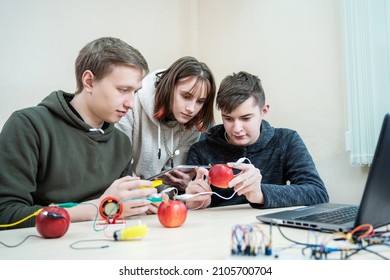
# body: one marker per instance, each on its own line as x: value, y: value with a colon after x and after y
x: 339, y: 216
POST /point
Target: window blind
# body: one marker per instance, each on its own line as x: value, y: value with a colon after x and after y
x: 367, y: 66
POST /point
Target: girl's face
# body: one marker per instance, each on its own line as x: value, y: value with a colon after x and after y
x: 188, y: 99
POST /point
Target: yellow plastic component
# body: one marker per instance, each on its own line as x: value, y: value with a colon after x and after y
x: 155, y: 183
x: 131, y: 232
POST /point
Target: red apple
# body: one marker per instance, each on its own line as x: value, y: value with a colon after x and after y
x: 172, y: 213
x: 220, y: 175
x: 52, y: 222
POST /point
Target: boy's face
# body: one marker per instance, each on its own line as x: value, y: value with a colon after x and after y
x: 243, y: 124
x: 113, y: 96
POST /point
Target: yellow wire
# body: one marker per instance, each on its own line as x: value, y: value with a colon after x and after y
x: 22, y: 220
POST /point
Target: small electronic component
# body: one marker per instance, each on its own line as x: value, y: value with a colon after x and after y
x: 250, y: 240
x: 110, y: 209
x: 131, y: 232
x: 52, y: 215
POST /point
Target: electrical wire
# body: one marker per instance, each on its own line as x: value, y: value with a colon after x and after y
x: 73, y: 245
x: 21, y: 242
x: 361, y: 238
x: 21, y: 220
x: 189, y: 196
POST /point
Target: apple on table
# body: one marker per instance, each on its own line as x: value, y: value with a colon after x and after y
x: 172, y: 213
x: 52, y: 222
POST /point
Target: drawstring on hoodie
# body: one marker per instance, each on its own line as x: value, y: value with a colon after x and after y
x: 172, y: 152
x: 97, y: 129
x: 172, y: 148
x: 159, y: 141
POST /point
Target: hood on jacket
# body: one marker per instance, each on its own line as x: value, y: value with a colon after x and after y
x: 57, y: 103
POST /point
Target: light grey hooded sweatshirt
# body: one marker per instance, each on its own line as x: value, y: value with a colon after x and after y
x: 153, y: 142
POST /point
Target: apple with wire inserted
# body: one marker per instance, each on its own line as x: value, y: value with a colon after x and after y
x: 52, y: 222
x: 220, y: 175
x: 172, y: 213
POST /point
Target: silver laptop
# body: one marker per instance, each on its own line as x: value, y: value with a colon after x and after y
x: 374, y: 207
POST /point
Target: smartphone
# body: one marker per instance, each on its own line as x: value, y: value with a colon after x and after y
x: 181, y: 168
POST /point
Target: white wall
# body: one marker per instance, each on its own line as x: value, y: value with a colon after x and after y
x: 40, y: 40
x: 295, y: 47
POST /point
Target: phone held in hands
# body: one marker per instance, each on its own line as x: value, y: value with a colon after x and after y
x: 181, y: 168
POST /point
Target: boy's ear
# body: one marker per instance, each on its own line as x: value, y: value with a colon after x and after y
x: 264, y: 110
x: 87, y: 79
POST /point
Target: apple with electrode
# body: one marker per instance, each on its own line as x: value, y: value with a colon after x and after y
x: 172, y: 213
x: 52, y: 222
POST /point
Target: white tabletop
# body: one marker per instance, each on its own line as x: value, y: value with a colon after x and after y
x: 206, y: 234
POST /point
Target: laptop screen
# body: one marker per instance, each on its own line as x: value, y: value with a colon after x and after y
x: 375, y: 205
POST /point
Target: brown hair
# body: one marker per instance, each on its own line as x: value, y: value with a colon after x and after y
x: 166, y: 80
x: 235, y: 89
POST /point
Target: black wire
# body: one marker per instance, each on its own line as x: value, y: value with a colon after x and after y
x: 296, y: 242
x: 375, y: 253
x: 21, y: 242
x: 365, y: 248
x: 304, y: 249
x: 92, y: 247
x: 346, y: 256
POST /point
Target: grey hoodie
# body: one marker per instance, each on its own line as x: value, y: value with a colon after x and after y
x: 148, y: 135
